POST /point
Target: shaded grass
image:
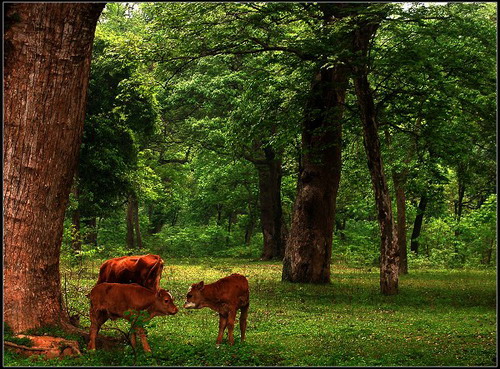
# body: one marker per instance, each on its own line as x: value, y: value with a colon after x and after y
x: 440, y: 318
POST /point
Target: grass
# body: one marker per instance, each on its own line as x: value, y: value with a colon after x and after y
x: 439, y: 318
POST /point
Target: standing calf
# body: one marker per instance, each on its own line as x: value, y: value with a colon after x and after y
x: 112, y: 300
x: 225, y: 296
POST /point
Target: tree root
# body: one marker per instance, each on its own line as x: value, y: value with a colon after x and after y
x: 102, y: 342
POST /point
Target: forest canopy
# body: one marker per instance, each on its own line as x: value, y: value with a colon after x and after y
x: 186, y: 98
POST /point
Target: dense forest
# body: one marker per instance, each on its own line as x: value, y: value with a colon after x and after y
x: 306, y: 138
x: 195, y: 141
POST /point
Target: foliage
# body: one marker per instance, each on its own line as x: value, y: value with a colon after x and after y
x: 183, y: 96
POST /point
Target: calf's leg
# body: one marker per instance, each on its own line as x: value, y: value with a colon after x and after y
x: 97, y: 319
x: 144, y: 341
x: 133, y: 338
x: 243, y: 321
x: 230, y: 326
x: 222, y: 326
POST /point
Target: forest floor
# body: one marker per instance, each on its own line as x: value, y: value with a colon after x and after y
x: 440, y: 318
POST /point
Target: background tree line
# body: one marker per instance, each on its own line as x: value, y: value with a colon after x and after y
x: 215, y: 115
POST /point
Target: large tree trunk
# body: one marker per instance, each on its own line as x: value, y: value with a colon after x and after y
x: 399, y: 179
x: 47, y: 61
x: 271, y: 214
x: 417, y: 225
x: 309, y: 245
x: 389, y: 260
x: 76, y: 239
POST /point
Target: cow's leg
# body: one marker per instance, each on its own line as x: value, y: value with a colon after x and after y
x: 230, y: 326
x: 222, y: 326
x: 243, y: 321
x: 97, y: 319
x: 144, y: 341
x: 132, y: 338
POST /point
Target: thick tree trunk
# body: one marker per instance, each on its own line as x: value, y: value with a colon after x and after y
x: 271, y: 214
x: 47, y: 61
x: 398, y: 180
x: 309, y: 245
x: 76, y: 239
x: 417, y: 226
x: 389, y: 248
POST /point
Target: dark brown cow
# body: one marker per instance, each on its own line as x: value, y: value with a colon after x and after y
x: 112, y: 300
x: 225, y: 296
x: 144, y: 270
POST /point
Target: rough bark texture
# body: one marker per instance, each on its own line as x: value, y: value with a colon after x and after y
x: 389, y: 248
x: 417, y: 225
x: 309, y: 244
x: 46, y: 71
x: 271, y: 214
x: 76, y: 241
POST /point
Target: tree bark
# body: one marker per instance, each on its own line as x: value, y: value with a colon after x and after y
x: 309, y: 245
x: 46, y: 69
x: 76, y: 239
x: 271, y: 213
x: 417, y: 226
x: 389, y: 260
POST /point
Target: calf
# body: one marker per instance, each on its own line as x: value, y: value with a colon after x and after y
x: 225, y: 296
x: 112, y: 300
x: 144, y: 270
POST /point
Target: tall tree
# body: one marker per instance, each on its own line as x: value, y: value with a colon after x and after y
x: 389, y: 247
x: 309, y: 245
x: 47, y: 60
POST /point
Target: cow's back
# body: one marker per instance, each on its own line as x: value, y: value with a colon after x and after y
x: 233, y: 288
x: 131, y: 269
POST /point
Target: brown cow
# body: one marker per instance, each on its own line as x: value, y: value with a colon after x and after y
x: 144, y: 270
x: 225, y: 296
x: 112, y: 300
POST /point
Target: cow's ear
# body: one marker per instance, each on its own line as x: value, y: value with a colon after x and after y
x: 201, y: 285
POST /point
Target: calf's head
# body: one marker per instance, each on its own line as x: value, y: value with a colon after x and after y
x: 194, y: 297
x: 164, y: 304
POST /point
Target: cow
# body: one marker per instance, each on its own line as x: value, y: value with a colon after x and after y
x: 224, y: 296
x: 113, y: 300
x: 144, y: 270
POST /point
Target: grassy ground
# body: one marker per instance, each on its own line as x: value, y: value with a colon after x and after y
x: 440, y: 318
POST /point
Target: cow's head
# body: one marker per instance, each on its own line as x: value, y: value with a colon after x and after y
x: 194, y: 297
x: 165, y: 303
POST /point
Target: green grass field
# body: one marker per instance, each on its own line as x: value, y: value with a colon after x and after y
x: 440, y: 318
